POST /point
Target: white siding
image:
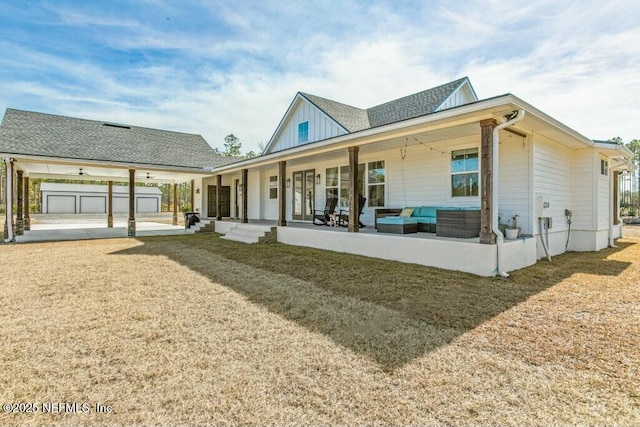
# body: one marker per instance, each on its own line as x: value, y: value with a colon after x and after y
x: 514, y: 195
x: 254, y: 195
x: 269, y: 206
x: 552, y: 179
x: 583, y: 199
x: 420, y: 179
x: 320, y: 126
x: 603, y: 199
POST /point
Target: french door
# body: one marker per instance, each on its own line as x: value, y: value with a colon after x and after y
x: 304, y: 191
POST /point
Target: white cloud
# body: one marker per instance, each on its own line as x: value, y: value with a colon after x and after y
x: 575, y: 61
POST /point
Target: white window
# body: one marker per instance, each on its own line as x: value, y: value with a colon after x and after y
x: 604, y: 167
x: 371, y: 180
x: 375, y: 183
x: 464, y: 172
x: 273, y: 187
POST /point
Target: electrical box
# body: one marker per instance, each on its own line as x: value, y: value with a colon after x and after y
x: 548, y: 222
x: 540, y: 206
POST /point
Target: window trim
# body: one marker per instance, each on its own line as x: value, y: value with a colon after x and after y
x: 450, y: 196
x: 604, y: 167
x: 365, y: 181
x: 273, y: 185
x: 306, y: 133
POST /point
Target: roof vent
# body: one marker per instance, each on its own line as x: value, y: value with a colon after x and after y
x: 113, y: 125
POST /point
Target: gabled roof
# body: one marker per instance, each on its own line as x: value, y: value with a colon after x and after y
x: 416, y: 105
x: 354, y: 119
x: 350, y: 118
x: 48, y: 135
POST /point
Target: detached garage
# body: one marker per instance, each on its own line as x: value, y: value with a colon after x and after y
x: 81, y: 198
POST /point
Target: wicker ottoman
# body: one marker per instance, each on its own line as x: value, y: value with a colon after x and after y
x: 462, y: 223
x: 397, y: 225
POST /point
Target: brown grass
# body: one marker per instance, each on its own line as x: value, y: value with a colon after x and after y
x: 194, y: 330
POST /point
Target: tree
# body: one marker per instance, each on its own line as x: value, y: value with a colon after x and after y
x: 232, y: 146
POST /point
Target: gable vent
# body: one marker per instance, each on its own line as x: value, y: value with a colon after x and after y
x: 113, y: 125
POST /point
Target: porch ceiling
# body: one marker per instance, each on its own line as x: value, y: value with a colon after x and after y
x: 103, y: 171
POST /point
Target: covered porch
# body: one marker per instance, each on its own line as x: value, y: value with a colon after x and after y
x: 428, y: 249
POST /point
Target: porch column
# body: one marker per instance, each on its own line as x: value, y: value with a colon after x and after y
x: 193, y: 195
x: 175, y: 203
x: 219, y: 198
x: 486, y: 181
x: 616, y: 201
x: 110, y: 204
x: 27, y: 219
x: 19, y: 203
x: 353, y: 225
x: 245, y: 198
x: 131, y: 224
x: 9, y: 200
x: 282, y: 195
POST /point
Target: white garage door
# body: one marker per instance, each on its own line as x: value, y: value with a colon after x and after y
x: 147, y: 204
x: 61, y: 204
x: 120, y: 205
x: 93, y: 204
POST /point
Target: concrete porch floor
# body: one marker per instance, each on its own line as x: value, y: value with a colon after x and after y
x: 51, y: 227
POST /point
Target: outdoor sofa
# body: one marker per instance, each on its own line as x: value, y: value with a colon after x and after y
x: 445, y: 221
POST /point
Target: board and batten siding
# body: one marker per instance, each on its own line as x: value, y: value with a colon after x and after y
x: 320, y: 126
x: 514, y: 194
x: 460, y: 97
x: 552, y: 179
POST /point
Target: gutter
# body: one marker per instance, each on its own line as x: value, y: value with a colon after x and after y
x: 494, y: 200
x: 10, y: 237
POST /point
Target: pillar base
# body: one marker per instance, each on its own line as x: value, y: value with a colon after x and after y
x: 488, y: 238
x: 109, y: 221
x: 6, y: 231
x: 27, y: 224
x: 131, y: 228
x: 19, y: 227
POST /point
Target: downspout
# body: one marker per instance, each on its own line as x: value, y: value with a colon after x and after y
x: 494, y: 199
x: 9, y: 194
x: 612, y: 243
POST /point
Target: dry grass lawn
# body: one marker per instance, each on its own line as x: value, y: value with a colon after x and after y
x: 194, y: 330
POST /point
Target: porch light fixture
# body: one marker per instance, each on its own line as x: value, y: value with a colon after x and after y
x: 288, y: 182
x: 318, y: 179
x: 197, y: 191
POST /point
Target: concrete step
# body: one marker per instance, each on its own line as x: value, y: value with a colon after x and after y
x: 204, y: 226
x: 248, y: 233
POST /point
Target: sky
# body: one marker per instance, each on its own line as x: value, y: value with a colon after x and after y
x: 220, y: 67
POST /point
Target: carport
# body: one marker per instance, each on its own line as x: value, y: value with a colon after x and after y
x: 38, y: 145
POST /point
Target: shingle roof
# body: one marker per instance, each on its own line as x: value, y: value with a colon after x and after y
x: 40, y: 134
x: 418, y: 104
x: 351, y: 118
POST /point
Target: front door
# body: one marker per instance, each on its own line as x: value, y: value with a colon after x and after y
x: 225, y: 199
x: 303, y: 194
